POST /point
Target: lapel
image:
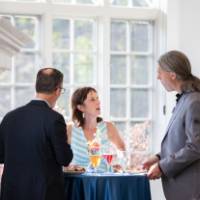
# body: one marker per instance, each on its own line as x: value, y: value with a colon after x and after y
x: 176, y: 111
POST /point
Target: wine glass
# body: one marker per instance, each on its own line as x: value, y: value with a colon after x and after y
x: 108, y: 157
x: 108, y: 153
x: 123, y: 159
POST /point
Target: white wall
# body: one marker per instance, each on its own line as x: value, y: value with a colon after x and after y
x: 189, y: 31
x: 183, y: 33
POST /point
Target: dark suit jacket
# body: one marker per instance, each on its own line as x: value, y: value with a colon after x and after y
x: 33, y: 148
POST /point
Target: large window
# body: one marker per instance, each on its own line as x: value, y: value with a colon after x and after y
x: 131, y: 71
x: 17, y: 84
x: 110, y: 45
x: 75, y: 53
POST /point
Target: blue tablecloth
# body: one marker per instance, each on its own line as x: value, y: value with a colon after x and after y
x: 107, y: 187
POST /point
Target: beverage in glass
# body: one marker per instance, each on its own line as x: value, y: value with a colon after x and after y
x: 94, y: 154
x: 95, y: 160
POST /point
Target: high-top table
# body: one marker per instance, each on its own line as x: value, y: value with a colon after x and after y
x: 107, y: 187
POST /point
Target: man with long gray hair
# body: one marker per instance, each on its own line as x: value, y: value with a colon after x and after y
x: 178, y: 163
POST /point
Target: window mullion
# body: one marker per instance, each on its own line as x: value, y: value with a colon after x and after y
x: 47, y: 46
x: 72, y: 54
x: 12, y: 94
x: 128, y: 71
x: 104, y: 65
x: 13, y: 78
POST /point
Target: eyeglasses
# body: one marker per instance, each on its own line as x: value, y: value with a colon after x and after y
x: 62, y: 90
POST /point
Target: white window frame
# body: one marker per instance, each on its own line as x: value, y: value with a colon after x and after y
x: 104, y: 14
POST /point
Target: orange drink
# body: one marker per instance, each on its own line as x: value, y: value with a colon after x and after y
x: 95, y: 160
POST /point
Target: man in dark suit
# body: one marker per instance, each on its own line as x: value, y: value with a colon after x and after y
x: 33, y: 145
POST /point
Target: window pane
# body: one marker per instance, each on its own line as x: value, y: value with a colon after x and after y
x: 139, y: 103
x: 87, y: 1
x: 23, y: 96
x: 61, y: 1
x: 118, y: 69
x: 28, y: 25
x: 31, y: 0
x: 118, y: 36
x: 130, y: 65
x: 63, y: 103
x: 26, y: 0
x: 139, y: 70
x: 83, y: 68
x: 77, y: 1
x: 139, y: 136
x: 5, y: 76
x: 25, y: 67
x: 118, y: 102
x: 142, y: 3
x: 131, y: 3
x: 119, y: 2
x: 61, y: 33
x: 61, y: 61
x: 121, y: 127
x: 83, y: 34
x: 5, y: 101
x: 82, y: 38
x: 140, y: 37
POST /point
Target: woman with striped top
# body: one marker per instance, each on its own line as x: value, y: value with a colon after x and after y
x: 86, y: 121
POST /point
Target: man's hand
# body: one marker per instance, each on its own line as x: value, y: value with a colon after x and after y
x: 154, y: 172
x: 149, y: 162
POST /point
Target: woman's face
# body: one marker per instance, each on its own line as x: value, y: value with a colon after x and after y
x: 168, y: 79
x: 91, y: 105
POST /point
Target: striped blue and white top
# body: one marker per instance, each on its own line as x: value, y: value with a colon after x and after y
x: 80, y: 148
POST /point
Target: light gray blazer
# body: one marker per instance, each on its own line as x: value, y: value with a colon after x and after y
x: 180, y: 150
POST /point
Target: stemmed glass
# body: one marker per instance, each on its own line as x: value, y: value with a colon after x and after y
x: 108, y: 154
x: 108, y: 157
x: 122, y: 158
x: 94, y: 153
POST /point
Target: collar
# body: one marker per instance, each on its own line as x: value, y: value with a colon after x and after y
x: 178, y: 96
x: 39, y: 99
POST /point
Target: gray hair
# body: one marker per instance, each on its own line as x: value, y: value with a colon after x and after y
x: 177, y: 62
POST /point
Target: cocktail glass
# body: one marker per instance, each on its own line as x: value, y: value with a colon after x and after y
x: 94, y: 155
x: 108, y: 157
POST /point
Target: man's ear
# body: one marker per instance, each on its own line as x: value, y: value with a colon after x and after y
x: 173, y: 75
x: 57, y: 91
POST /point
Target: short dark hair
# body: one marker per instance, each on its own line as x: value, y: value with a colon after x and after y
x: 78, y: 98
x: 48, y: 80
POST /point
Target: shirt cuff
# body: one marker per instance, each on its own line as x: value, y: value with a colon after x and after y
x: 158, y: 156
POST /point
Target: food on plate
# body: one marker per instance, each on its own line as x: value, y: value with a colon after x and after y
x: 135, y: 170
x: 117, y: 168
x: 73, y: 168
